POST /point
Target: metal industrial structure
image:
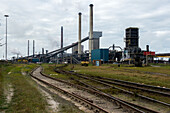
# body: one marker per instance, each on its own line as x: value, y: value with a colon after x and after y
x: 79, y: 41
x: 131, y: 53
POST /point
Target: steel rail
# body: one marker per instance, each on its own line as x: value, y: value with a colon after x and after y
x: 122, y: 104
x: 125, y: 91
x: 109, y: 97
x: 133, y: 83
x: 133, y: 87
x: 84, y: 101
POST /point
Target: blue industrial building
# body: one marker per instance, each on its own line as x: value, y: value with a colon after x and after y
x: 100, y: 54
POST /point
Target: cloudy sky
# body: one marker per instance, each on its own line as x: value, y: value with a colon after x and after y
x: 40, y: 20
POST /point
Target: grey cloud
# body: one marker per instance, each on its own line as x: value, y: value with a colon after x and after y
x: 41, y: 20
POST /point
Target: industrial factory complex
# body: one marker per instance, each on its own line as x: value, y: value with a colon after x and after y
x: 130, y: 54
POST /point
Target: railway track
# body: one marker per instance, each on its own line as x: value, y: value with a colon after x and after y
x: 125, y: 91
x: 150, y: 89
x: 109, y: 96
x: 73, y: 91
x: 164, y: 90
x: 132, y: 85
x: 104, y: 82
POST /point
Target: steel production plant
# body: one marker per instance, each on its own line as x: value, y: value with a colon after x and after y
x: 130, y: 54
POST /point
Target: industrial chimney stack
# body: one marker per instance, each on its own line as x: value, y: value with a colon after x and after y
x: 91, y: 31
x: 61, y: 36
x: 33, y: 47
x: 62, y: 41
x: 28, y: 47
x: 147, y: 48
x: 79, y: 40
x: 43, y: 51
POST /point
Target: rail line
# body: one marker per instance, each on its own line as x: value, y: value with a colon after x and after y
x: 127, y: 85
x: 74, y: 96
x: 111, y: 97
x: 136, y: 84
x: 88, y: 102
x: 104, y: 83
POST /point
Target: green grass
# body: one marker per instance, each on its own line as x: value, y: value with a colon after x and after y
x: 49, y: 70
x: 27, y: 98
x: 1, y: 88
x: 162, y: 69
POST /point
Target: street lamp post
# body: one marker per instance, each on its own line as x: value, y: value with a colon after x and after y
x: 6, y: 37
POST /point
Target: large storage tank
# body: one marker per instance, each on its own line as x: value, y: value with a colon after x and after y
x: 100, y: 54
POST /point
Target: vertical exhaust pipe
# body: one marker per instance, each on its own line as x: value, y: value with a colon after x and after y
x: 46, y: 51
x: 61, y: 37
x: 147, y: 48
x: 79, y: 39
x: 43, y: 51
x: 91, y: 31
x: 33, y: 47
x: 28, y: 47
x: 61, y: 41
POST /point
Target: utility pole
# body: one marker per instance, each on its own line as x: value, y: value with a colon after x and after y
x: 6, y: 37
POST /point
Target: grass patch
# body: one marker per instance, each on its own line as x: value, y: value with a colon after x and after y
x: 26, y: 97
x: 1, y: 88
x: 49, y: 70
x: 162, y: 69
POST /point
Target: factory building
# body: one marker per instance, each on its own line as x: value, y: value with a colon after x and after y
x: 96, y: 40
x: 132, y: 53
x: 132, y: 43
x: 75, y: 49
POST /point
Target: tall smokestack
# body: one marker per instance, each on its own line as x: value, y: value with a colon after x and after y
x: 147, y: 48
x: 33, y: 47
x: 79, y: 40
x: 91, y: 31
x: 46, y: 51
x: 61, y: 36
x: 62, y: 41
x: 28, y: 47
x: 43, y: 51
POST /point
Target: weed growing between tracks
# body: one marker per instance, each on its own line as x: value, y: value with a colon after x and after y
x: 26, y: 97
